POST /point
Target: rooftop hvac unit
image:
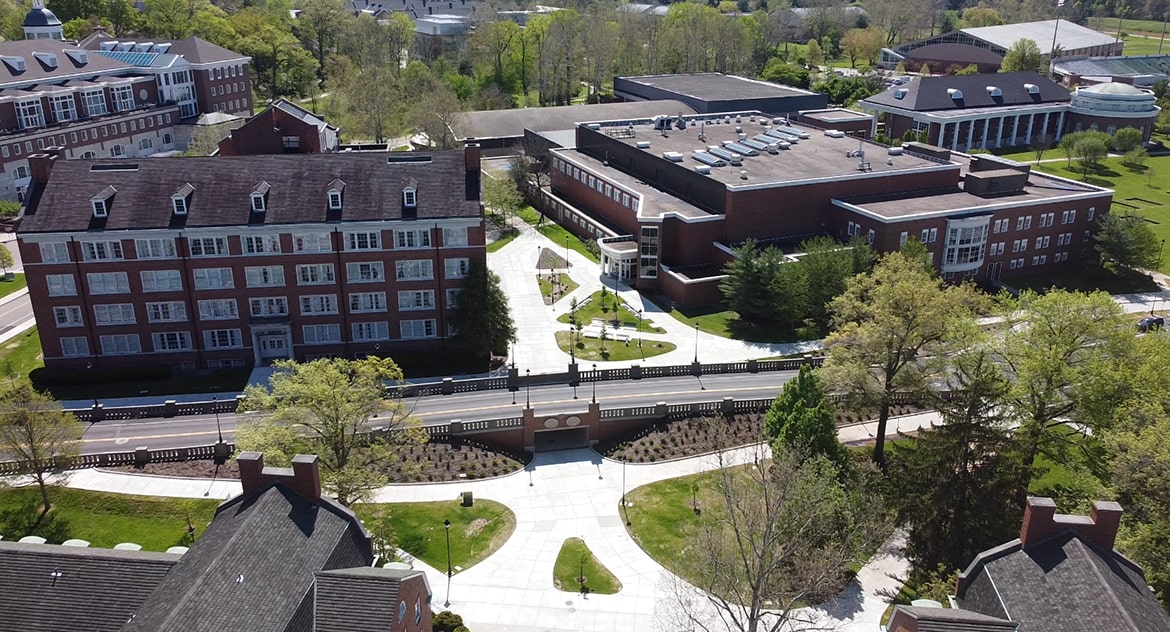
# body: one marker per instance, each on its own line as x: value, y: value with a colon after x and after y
x: 834, y: 133
x: 643, y: 144
x: 896, y: 151
x: 672, y: 156
x: 703, y: 169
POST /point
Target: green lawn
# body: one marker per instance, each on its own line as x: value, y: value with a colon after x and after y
x: 22, y: 354
x: 661, y: 516
x: 1139, y: 45
x: 576, y: 560
x: 1109, y: 26
x: 720, y: 321
x: 565, y: 286
x: 1137, y: 193
x: 103, y: 519
x: 8, y: 287
x: 504, y: 240
x: 555, y: 232
x: 590, y: 348
x: 476, y: 531
x: 586, y: 312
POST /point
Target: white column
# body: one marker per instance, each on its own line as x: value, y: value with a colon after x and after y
x: 873, y: 125
x: 1044, y: 132
x: 942, y: 135
x: 970, y: 133
x: 955, y: 137
x: 986, y: 124
x: 999, y: 131
x: 1031, y: 120
x: 1015, y: 128
x: 1060, y: 126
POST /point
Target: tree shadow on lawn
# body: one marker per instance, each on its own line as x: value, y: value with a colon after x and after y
x: 28, y: 519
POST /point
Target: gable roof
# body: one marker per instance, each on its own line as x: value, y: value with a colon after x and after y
x: 195, y: 50
x: 1063, y: 584
x: 294, y: 110
x: 950, y: 620
x: 253, y: 569
x: 67, y: 64
x: 224, y: 184
x: 96, y: 590
x: 925, y: 94
x: 360, y: 599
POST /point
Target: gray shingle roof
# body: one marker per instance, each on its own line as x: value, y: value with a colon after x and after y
x: 1062, y: 584
x: 224, y: 184
x: 925, y: 94
x: 253, y: 569
x: 67, y: 65
x: 953, y: 620
x: 96, y: 590
x: 361, y: 599
x: 194, y: 49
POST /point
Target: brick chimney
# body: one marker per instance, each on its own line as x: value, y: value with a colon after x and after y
x: 471, y: 169
x: 304, y: 477
x: 1041, y: 522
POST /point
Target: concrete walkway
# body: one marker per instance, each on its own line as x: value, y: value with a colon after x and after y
x: 560, y: 495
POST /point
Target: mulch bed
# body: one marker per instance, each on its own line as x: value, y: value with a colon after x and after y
x: 549, y: 260
x: 434, y: 462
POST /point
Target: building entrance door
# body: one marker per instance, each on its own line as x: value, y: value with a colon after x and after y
x: 993, y: 271
x: 273, y: 348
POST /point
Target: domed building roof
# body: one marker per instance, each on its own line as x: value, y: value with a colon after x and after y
x: 40, y: 16
x: 1112, y: 88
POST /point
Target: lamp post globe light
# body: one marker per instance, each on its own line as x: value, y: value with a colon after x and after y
x: 594, y: 382
x: 447, y: 529
x: 528, y: 388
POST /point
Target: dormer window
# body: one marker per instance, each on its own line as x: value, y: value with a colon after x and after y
x: 993, y: 92
x: 260, y: 197
x: 409, y: 197
x: 101, y: 202
x: 1032, y: 88
x: 334, y: 194
x: 955, y: 93
x: 179, y: 199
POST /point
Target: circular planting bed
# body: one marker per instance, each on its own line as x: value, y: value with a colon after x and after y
x: 434, y: 462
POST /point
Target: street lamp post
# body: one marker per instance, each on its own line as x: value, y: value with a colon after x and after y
x: 696, y: 343
x: 1160, y: 247
x: 640, y: 334
x: 566, y: 252
x: 528, y: 388
x: 447, y: 527
x: 594, y: 382
x: 215, y: 409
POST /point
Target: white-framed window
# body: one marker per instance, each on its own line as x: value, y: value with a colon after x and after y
x: 418, y: 238
x: 1059, y: 257
x: 63, y: 108
x: 1068, y: 217
x: 367, y: 302
x: 1035, y: 260
x: 108, y: 283
x: 116, y: 151
x: 454, y: 237
x: 101, y: 250
x: 172, y: 341
x: 213, y: 278
x: 1042, y: 242
x: 1043, y: 259
x: 409, y: 197
x: 933, y: 236
x: 1000, y: 226
x: 1064, y: 239
x: 157, y: 248
x: 261, y: 244
x: 365, y: 272
x: 457, y: 268
x: 222, y: 339
x: 123, y: 99
x: 853, y: 229
x: 264, y: 276
x: 161, y: 280
x: 114, y: 314
x: 68, y: 316
x: 1092, y: 213
x: 365, y: 332
x: 314, y: 304
x: 322, y: 334
x: 424, y: 328
x: 1020, y: 245
x: 410, y: 300
x: 54, y: 252
x: 75, y: 346
x: 334, y: 194
x: 61, y: 284
x: 120, y: 344
x: 414, y: 270
x: 997, y: 248
x: 208, y: 246
x: 1024, y: 223
x: 218, y: 309
x: 267, y: 306
x: 166, y: 312
x: 315, y: 274
x: 312, y: 242
x: 364, y: 240
x: 29, y: 114
x: 1047, y: 219
x: 145, y: 144
x: 925, y: 235
x: 95, y: 102
x: 452, y: 297
x: 179, y: 204
x: 903, y: 238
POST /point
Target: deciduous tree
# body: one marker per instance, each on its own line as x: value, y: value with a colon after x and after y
x: 886, y: 324
x: 1024, y: 54
x: 482, y: 319
x: 501, y: 198
x: 6, y: 258
x: 1128, y: 241
x: 328, y: 407
x: 863, y: 44
x: 35, y: 430
x: 1127, y: 138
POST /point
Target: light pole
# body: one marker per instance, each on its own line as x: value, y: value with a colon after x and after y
x: 528, y: 388
x: 696, y: 343
x: 594, y: 382
x: 566, y: 252
x: 625, y: 510
x: 447, y: 527
x: 215, y: 409
x: 1160, y: 247
x: 642, y: 353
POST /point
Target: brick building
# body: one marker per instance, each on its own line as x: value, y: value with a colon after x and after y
x: 282, y: 128
x: 99, y: 103
x: 231, y: 261
x: 669, y: 198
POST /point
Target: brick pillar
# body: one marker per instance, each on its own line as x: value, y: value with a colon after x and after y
x: 307, y: 476
x: 251, y: 466
x: 1039, y: 519
x: 1106, y: 517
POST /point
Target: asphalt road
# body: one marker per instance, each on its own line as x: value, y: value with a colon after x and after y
x: 15, y: 312
x: 116, y: 436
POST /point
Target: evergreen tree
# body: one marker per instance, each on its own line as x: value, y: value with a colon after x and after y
x: 956, y: 485
x: 482, y: 320
x: 747, y: 288
x: 801, y: 419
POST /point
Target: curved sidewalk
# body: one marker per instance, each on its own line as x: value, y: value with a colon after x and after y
x: 557, y: 496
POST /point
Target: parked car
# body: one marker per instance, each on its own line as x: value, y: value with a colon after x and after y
x: 1151, y: 323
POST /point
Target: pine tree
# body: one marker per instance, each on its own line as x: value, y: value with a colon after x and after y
x: 482, y: 320
x: 801, y: 419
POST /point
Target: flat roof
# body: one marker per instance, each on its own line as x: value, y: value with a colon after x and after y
x: 817, y: 157
x: 713, y: 86
x: 655, y: 203
x: 512, y: 123
x: 836, y: 115
x: 1069, y: 35
x: 1040, y: 188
